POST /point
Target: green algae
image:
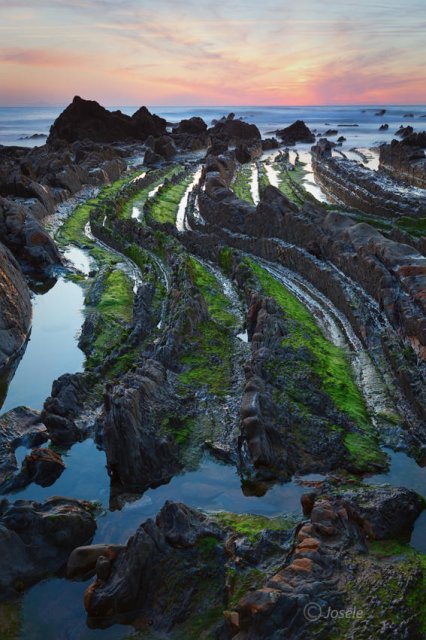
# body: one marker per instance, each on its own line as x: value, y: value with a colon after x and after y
x: 329, y: 363
x: 165, y: 205
x: 241, y: 183
x: 253, y: 526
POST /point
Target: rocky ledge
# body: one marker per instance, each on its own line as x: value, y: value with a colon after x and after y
x: 249, y: 577
x: 351, y: 185
x: 405, y: 159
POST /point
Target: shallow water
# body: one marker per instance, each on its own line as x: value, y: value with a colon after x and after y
x: 52, y: 347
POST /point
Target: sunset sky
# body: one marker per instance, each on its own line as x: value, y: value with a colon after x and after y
x: 222, y: 52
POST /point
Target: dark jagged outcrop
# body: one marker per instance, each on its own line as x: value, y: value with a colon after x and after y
x: 234, y: 131
x: 145, y: 578
x: 15, y: 308
x: 405, y: 160
x: 19, y: 427
x: 259, y: 584
x: 296, y: 132
x: 61, y: 409
x: 87, y: 119
x: 352, y: 185
x: 139, y: 454
x: 42, y: 466
x: 26, y: 238
x: 318, y: 572
x: 36, y: 539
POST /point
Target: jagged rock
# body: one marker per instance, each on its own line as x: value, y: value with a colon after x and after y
x: 380, y: 112
x: 19, y: 427
x: 87, y: 119
x: 15, y: 308
x: 61, y: 409
x: 26, y: 238
x: 165, y: 147
x: 139, y: 454
x: 331, y: 132
x: 36, y: 539
x: 42, y: 466
x: 145, y: 578
x: 193, y: 126
x: 296, y: 132
x: 233, y: 131
x: 383, y: 127
x: 151, y: 159
x: 270, y: 143
x: 404, y: 132
x: 405, y: 160
x: 355, y: 186
x: 247, y: 153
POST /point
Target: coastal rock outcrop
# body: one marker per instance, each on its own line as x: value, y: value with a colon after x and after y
x: 26, y: 238
x: 349, y: 184
x: 296, y: 132
x: 15, y: 308
x: 36, y: 539
x: 145, y: 578
x: 234, y: 131
x: 21, y: 427
x: 139, y: 454
x: 405, y: 160
x: 87, y: 119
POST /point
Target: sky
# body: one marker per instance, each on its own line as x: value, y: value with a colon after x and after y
x: 221, y: 52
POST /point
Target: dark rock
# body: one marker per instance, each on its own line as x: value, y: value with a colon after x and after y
x: 165, y: 147
x: 139, y: 454
x: 270, y: 143
x: 82, y: 562
x: 233, y: 131
x: 404, y: 132
x: 42, y: 466
x: 15, y: 308
x: 86, y: 119
x: 341, y: 139
x: 26, y: 238
x: 380, y: 112
x: 331, y: 132
x: 405, y: 160
x: 19, y: 427
x: 193, y: 126
x: 383, y: 127
x: 61, y: 409
x: 296, y: 132
x: 145, y: 578
x: 151, y: 159
x: 36, y: 539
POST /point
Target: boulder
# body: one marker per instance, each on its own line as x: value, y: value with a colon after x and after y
x: 20, y: 427
x: 61, y: 409
x: 42, y: 466
x: 296, y: 132
x: 37, y: 538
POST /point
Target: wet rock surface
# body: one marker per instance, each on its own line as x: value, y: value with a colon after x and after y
x: 296, y: 132
x: 18, y: 427
x: 405, y: 160
x: 36, y: 539
x: 15, y: 308
x: 355, y: 186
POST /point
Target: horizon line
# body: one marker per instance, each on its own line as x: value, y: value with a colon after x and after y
x: 207, y: 106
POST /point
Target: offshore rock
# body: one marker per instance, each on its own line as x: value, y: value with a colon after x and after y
x: 296, y: 132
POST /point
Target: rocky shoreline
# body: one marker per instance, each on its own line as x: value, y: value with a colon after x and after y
x: 233, y: 333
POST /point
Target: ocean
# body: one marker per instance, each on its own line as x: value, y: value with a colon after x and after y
x: 18, y: 122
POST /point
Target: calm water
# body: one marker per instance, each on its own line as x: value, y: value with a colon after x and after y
x: 52, y: 347
x: 16, y: 122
